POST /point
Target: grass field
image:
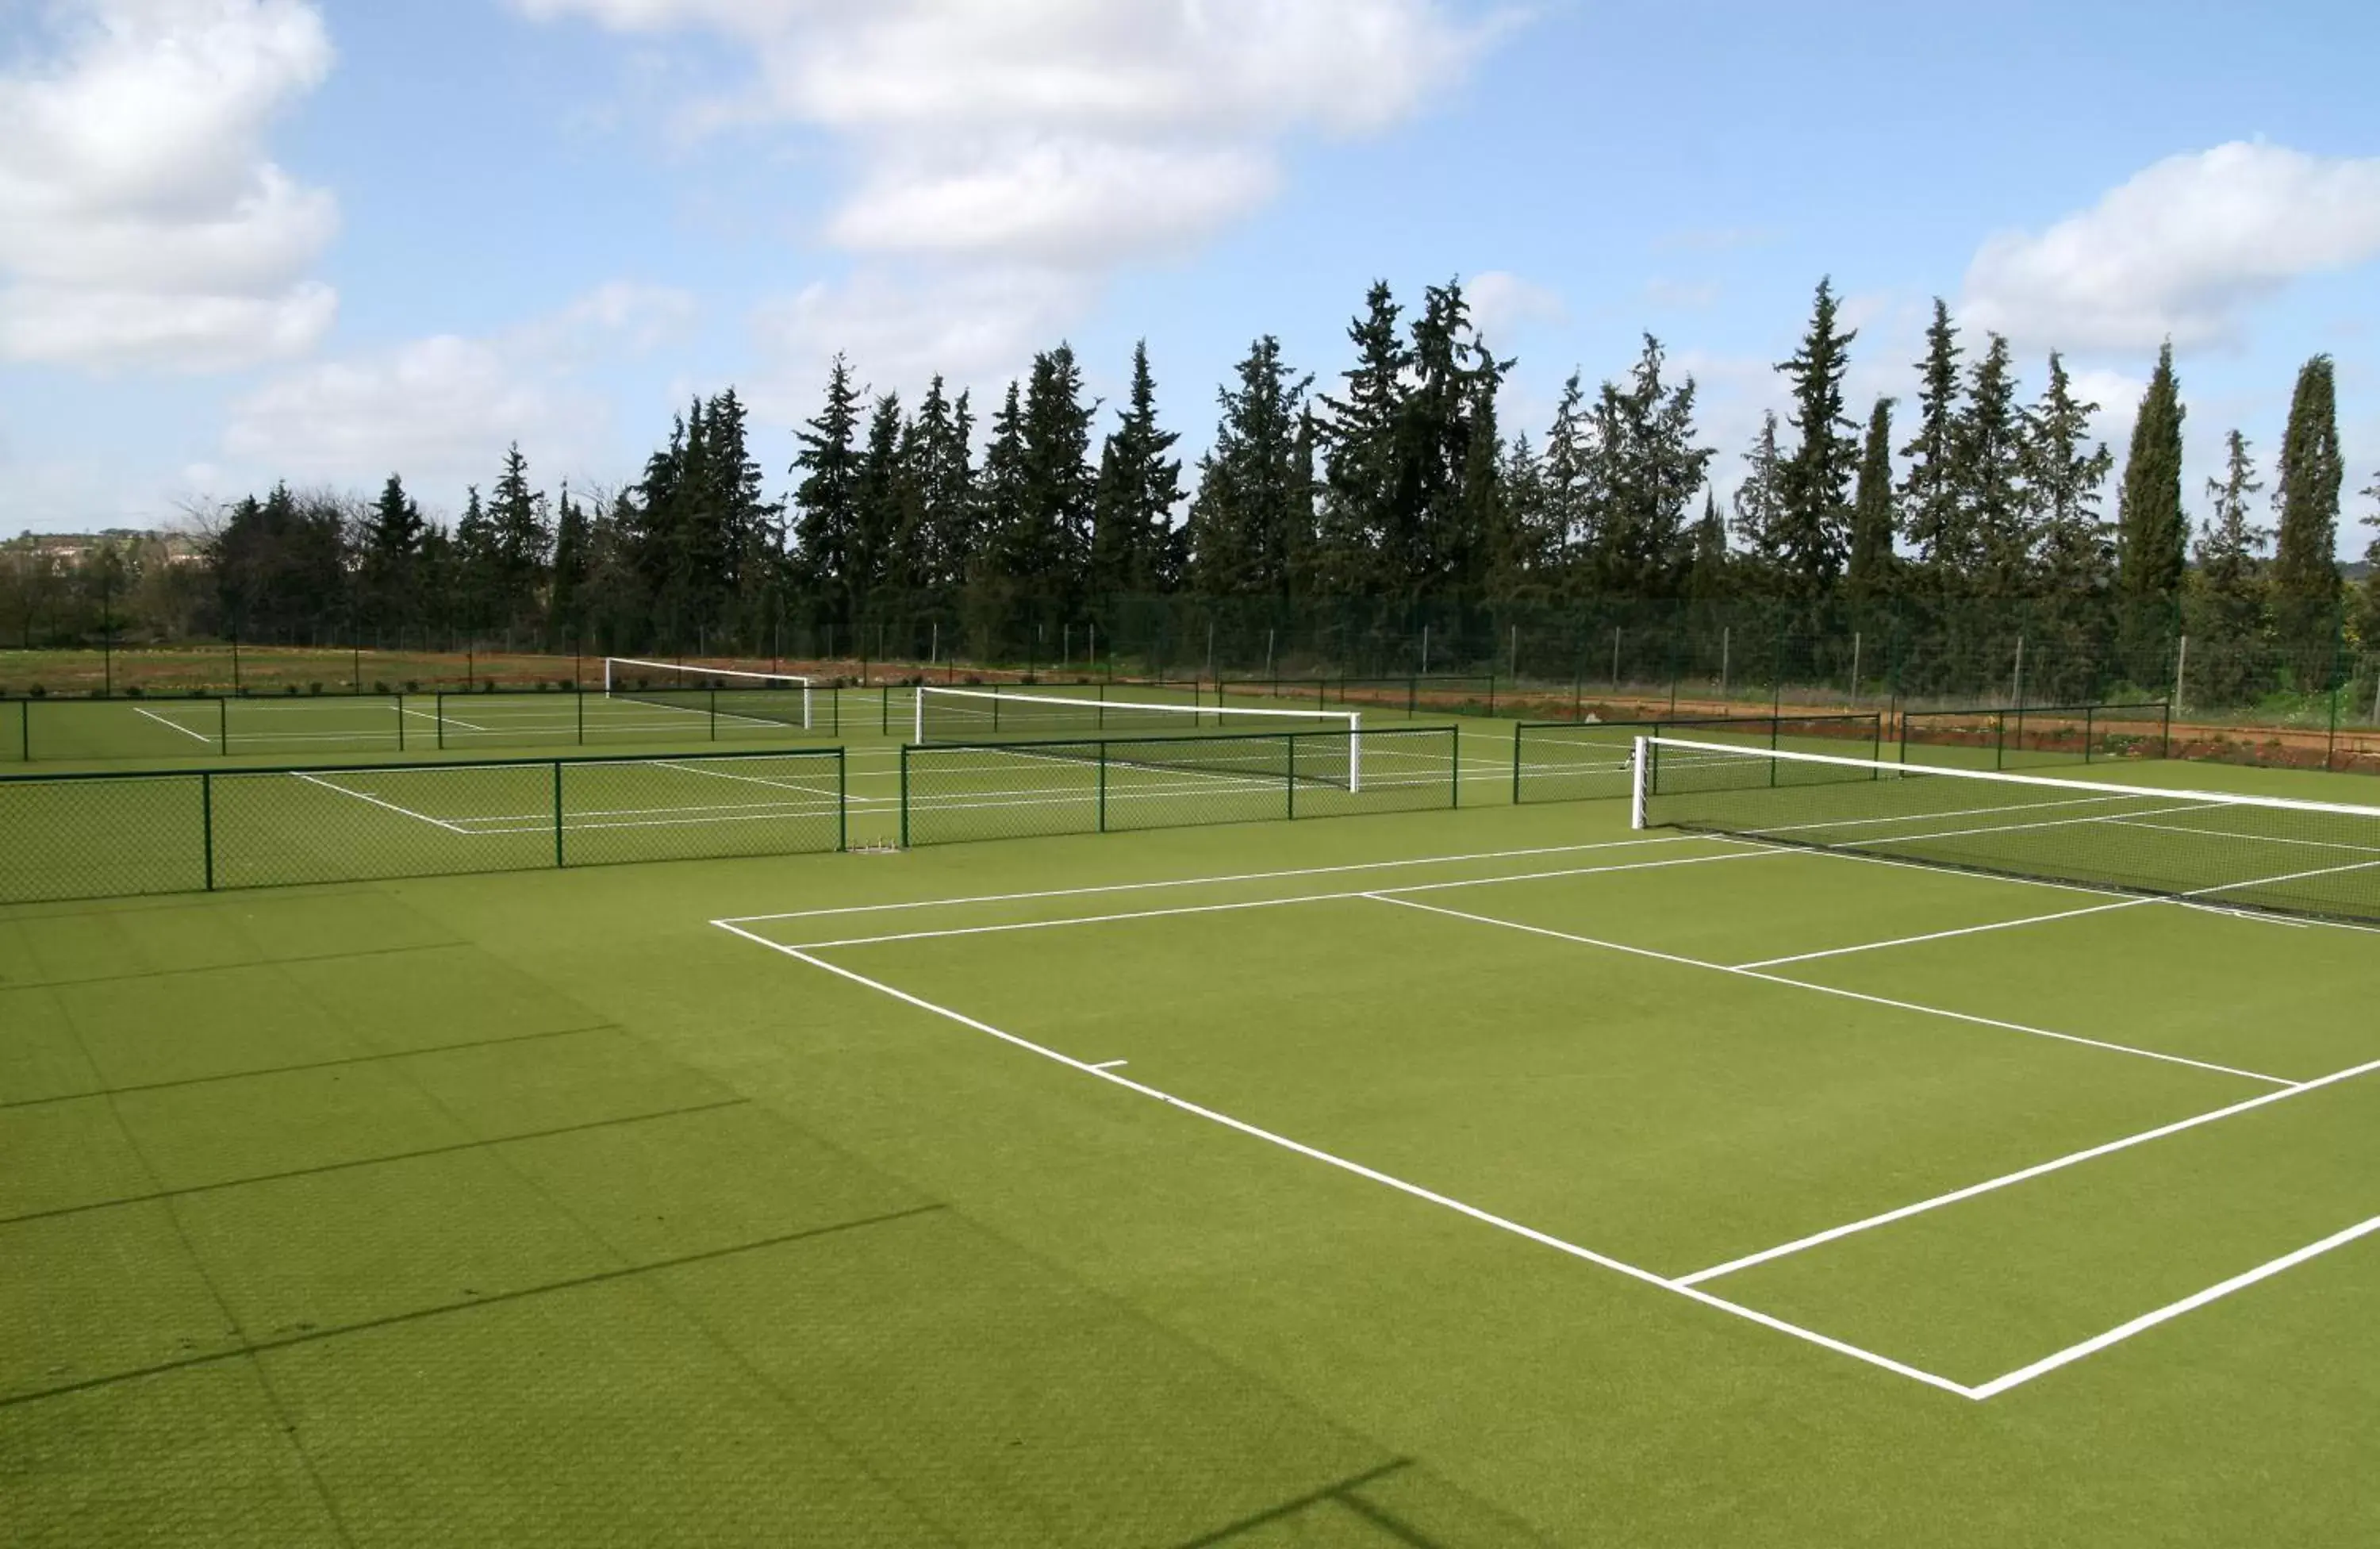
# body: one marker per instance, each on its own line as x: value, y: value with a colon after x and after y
x: 1462, y: 1176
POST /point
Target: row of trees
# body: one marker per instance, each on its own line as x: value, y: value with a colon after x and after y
x: 1397, y: 484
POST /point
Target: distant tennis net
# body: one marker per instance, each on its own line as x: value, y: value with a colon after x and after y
x: 710, y: 694
x: 946, y: 716
x: 2209, y: 848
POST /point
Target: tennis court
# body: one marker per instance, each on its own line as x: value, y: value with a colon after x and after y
x: 1452, y: 1172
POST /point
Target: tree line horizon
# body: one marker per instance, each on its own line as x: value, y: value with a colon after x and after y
x: 1397, y: 485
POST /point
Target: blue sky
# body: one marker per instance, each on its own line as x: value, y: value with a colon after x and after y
x: 324, y: 239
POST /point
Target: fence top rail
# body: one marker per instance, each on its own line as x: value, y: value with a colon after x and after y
x: 1011, y: 745
x: 204, y: 696
x: 2042, y: 709
x: 214, y: 771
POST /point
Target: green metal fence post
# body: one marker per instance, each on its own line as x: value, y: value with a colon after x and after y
x: 400, y: 723
x: 207, y: 825
x: 2000, y: 741
x: 557, y: 813
x: 438, y: 710
x: 904, y: 796
x: 841, y: 800
x: 1516, y: 762
x: 25, y: 730
x: 223, y: 727
x: 714, y: 714
x: 2090, y: 717
x: 578, y: 696
x: 1454, y: 765
x: 1102, y: 747
x: 1292, y: 776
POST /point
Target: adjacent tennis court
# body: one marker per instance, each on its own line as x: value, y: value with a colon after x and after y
x: 1859, y: 1153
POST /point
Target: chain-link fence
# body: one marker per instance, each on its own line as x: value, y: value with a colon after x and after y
x: 1570, y: 761
x: 1099, y: 786
x: 2014, y: 737
x: 103, y: 836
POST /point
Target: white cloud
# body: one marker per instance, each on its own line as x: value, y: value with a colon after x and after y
x: 973, y: 328
x: 1502, y: 302
x: 2179, y: 250
x: 142, y: 223
x: 441, y: 410
x: 1681, y: 295
x: 1077, y: 131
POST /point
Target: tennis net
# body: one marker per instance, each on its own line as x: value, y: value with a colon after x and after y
x: 957, y: 715
x: 755, y: 698
x: 2209, y: 848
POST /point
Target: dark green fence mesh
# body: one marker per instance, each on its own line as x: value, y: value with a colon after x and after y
x: 2011, y: 736
x: 1092, y: 786
x: 1562, y: 760
x: 103, y: 836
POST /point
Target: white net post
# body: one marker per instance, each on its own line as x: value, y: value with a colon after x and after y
x: 1354, y: 753
x: 1639, y: 762
x: 918, y: 735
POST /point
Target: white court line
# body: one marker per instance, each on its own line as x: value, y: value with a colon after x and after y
x: 1112, y: 1065
x: 1633, y: 1272
x: 1838, y: 993
x: 1946, y: 935
x: 1099, y: 888
x: 171, y: 724
x: 1831, y: 1234
x: 1008, y: 927
x: 2171, y: 1310
x: 360, y: 796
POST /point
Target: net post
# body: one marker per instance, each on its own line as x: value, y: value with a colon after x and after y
x: 805, y: 707
x: 2165, y: 733
x: 1516, y: 762
x: 919, y: 704
x: 1355, y: 754
x: 207, y: 825
x: 557, y: 815
x: 1639, y: 762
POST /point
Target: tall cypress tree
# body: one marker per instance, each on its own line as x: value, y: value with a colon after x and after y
x: 390, y: 565
x: 521, y: 541
x: 2151, y: 529
x: 2223, y: 598
x: 1564, y: 473
x: 1251, y: 521
x: 573, y: 569
x: 1138, y: 488
x: 1709, y: 580
x: 2368, y: 604
x: 1814, y: 485
x: 1987, y: 473
x: 1872, y: 561
x: 826, y: 501
x: 1047, y: 546
x: 879, y: 488
x: 1358, y: 432
x: 2306, y: 480
x: 1760, y: 504
x: 2064, y: 473
x: 1932, y: 515
x: 1643, y: 470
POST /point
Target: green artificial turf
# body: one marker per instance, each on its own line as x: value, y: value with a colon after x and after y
x: 539, y: 1207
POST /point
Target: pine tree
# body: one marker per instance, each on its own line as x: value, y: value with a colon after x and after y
x: 1359, y: 438
x: 944, y: 429
x: 2063, y: 474
x: 389, y: 567
x: 1932, y: 514
x: 521, y: 541
x: 826, y: 501
x: 1987, y: 465
x: 1440, y: 510
x: 1251, y: 521
x: 1760, y: 504
x: 573, y: 569
x: 2368, y: 607
x: 1872, y: 560
x: 2307, y: 477
x: 2225, y: 595
x: 1139, y: 489
x: 876, y: 519
x: 476, y: 565
x: 1814, y: 485
x: 1643, y: 469
x: 1709, y: 580
x: 1046, y: 549
x: 2151, y: 529
x: 1524, y: 562
x: 1565, y: 473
